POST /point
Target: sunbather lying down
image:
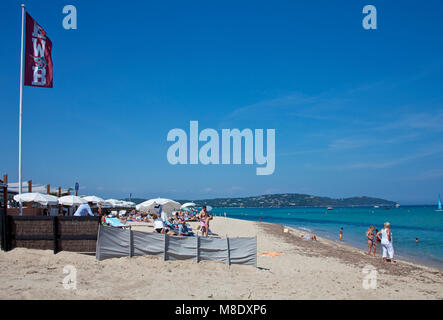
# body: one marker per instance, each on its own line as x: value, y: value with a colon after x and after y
x: 309, y: 237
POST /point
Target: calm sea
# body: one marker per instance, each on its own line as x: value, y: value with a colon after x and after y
x: 407, y: 223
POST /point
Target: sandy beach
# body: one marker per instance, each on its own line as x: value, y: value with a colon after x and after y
x: 305, y: 270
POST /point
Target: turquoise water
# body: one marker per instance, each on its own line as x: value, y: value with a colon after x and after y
x: 407, y: 223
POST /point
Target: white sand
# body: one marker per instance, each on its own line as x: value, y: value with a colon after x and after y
x: 307, y: 270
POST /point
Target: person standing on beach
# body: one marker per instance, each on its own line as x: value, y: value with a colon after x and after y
x: 386, y: 243
x: 84, y: 210
x: 341, y: 234
x: 377, y: 242
x: 370, y: 236
x: 204, y: 221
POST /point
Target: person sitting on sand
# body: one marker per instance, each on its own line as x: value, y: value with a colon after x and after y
x: 103, y: 218
x: 183, y: 229
x: 387, y: 243
x: 309, y: 237
x: 159, y: 226
x: 176, y: 219
x: 169, y: 225
x: 370, y: 237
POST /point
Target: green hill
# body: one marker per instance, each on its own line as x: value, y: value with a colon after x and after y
x: 287, y: 200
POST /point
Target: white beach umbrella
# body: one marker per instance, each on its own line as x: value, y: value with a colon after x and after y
x: 71, y: 200
x: 129, y: 204
x: 168, y: 205
x: 188, y: 204
x: 106, y: 205
x: 113, y: 202
x: 43, y: 199
x: 119, y: 203
x: 94, y: 199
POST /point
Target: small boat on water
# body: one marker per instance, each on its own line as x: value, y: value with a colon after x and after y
x: 397, y: 205
x: 376, y: 207
x: 330, y: 208
x: 440, y: 209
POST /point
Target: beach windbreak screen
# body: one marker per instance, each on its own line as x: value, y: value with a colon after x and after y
x: 38, y: 60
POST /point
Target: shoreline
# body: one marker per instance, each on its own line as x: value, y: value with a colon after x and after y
x: 353, y: 245
x: 272, y: 227
x: 402, y: 254
x: 305, y: 270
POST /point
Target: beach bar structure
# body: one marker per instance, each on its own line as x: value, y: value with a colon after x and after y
x: 11, y: 189
x: 34, y: 230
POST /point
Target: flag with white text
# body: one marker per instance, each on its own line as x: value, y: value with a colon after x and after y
x: 38, y: 60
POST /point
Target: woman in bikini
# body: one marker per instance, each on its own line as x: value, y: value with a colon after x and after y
x: 370, y: 236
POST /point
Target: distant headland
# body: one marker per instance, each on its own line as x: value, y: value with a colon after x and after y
x: 285, y: 200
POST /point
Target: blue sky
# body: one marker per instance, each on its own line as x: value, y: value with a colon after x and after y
x: 356, y: 112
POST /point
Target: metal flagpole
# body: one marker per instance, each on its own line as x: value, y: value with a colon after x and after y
x: 20, y: 115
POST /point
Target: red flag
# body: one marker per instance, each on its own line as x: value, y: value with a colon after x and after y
x: 38, y: 61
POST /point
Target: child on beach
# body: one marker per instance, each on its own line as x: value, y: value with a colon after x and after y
x: 377, y: 242
x: 370, y: 237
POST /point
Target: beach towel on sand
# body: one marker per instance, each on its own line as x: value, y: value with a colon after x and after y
x: 114, y: 222
x: 271, y: 254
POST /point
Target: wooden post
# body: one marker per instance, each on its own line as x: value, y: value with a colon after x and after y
x: 60, y: 207
x: 165, y: 247
x: 5, y: 191
x: 29, y: 185
x: 3, y: 215
x: 131, y: 243
x: 198, y: 248
x: 5, y: 234
x: 229, y: 251
x: 48, y: 189
x: 55, y: 232
x: 69, y: 208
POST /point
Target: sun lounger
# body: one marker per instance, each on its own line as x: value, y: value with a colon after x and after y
x: 114, y: 222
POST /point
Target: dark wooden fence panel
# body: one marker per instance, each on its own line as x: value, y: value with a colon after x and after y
x: 3, y: 223
x: 77, y: 234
